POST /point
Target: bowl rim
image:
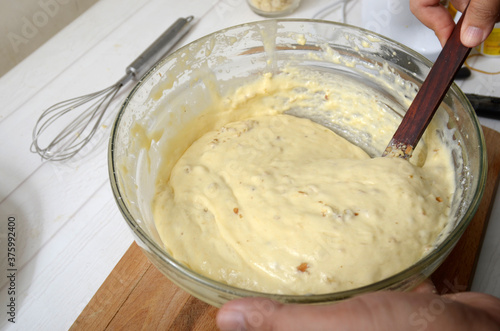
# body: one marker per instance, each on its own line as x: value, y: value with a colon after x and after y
x: 446, y: 245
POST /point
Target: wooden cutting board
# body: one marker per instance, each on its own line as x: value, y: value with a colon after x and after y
x: 136, y: 296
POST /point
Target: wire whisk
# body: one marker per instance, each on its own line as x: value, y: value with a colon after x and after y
x: 73, y: 137
x: 86, y: 122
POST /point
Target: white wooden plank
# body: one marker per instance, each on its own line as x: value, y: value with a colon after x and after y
x: 58, y: 282
x: 43, y: 204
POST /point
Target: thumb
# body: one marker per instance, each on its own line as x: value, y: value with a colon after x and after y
x: 370, y: 312
x: 479, y: 21
x: 265, y: 314
x: 376, y: 311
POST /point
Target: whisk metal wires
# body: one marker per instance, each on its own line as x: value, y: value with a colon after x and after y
x: 82, y: 127
x: 72, y: 138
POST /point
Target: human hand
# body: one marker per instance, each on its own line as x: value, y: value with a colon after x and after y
x: 478, y: 21
x: 419, y: 310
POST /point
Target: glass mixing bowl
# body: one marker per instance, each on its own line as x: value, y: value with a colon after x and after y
x: 179, y: 88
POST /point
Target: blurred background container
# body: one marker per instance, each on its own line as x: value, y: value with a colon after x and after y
x: 273, y: 8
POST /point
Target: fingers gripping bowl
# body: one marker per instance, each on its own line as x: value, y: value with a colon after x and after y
x: 194, y: 90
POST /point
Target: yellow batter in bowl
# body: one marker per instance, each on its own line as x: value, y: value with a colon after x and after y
x: 270, y: 202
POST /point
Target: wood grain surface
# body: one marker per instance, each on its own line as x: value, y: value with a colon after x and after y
x: 457, y: 271
x: 136, y: 296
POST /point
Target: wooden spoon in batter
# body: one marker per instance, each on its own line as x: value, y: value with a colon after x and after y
x: 429, y: 97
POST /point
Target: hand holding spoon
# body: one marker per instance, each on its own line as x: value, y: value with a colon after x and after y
x: 429, y: 97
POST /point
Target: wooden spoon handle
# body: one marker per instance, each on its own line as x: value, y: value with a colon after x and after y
x: 429, y: 97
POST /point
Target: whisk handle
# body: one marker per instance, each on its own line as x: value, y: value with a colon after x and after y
x: 159, y: 48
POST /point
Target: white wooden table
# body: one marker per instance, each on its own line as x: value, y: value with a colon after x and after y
x: 69, y: 232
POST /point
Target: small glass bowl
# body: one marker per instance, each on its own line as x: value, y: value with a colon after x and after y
x: 233, y: 56
x: 273, y: 8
